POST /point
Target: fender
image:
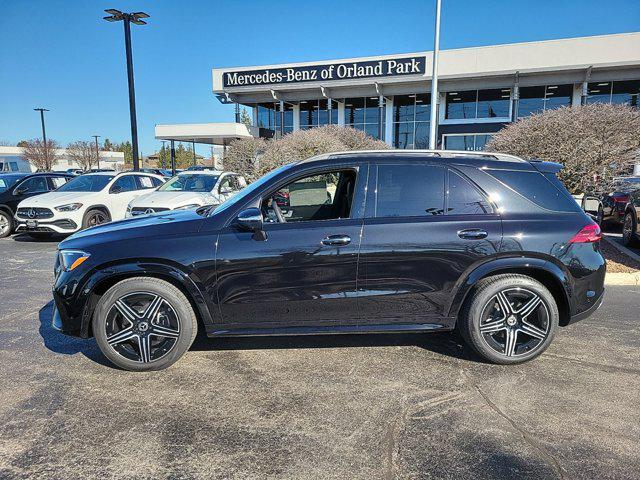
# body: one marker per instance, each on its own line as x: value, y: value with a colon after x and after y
x: 144, y: 268
x: 508, y: 264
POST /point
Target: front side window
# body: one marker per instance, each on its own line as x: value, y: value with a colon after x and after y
x: 33, y: 185
x: 464, y: 198
x: 324, y: 196
x: 196, y: 182
x: 409, y: 190
x: 125, y: 184
x: 87, y: 183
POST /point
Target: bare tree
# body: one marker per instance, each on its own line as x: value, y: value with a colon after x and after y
x: 595, y: 143
x: 83, y: 153
x: 41, y: 156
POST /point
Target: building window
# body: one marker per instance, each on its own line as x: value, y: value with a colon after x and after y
x: 623, y: 92
x: 538, y: 99
x: 411, y: 120
x: 288, y: 118
x: 472, y: 104
x: 363, y: 114
x: 469, y: 142
x: 315, y: 113
x: 269, y: 117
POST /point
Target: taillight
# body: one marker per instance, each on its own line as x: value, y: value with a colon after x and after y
x: 621, y: 199
x: 589, y: 234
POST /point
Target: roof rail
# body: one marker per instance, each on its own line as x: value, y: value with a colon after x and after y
x: 440, y: 153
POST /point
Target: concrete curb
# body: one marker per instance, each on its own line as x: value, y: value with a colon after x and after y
x: 621, y: 248
x: 622, y: 279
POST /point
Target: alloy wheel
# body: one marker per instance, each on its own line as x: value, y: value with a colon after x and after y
x: 97, y: 219
x: 515, y: 322
x: 627, y: 228
x: 142, y: 327
x: 5, y: 225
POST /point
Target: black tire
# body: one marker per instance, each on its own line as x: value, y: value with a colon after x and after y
x: 541, y: 321
x: 600, y: 216
x: 95, y: 216
x: 122, y: 341
x: 6, y: 223
x: 629, y: 230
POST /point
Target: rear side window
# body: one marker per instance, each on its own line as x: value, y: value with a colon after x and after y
x: 57, y: 182
x: 537, y: 188
x: 409, y: 190
x: 464, y: 198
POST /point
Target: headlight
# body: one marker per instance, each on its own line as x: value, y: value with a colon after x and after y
x: 70, y: 259
x: 69, y: 207
x: 186, y: 207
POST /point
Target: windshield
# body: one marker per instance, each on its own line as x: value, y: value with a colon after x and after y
x: 86, y: 183
x: 190, y: 183
x: 8, y: 181
x: 247, y: 191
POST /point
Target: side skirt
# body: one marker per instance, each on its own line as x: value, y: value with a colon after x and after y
x: 217, y: 331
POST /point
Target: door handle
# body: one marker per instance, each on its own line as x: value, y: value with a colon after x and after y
x: 473, y: 234
x: 336, y: 240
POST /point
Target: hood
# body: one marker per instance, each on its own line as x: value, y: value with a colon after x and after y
x: 55, y: 199
x: 159, y: 224
x: 172, y: 199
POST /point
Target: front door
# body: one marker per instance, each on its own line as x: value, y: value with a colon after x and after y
x: 35, y: 185
x: 304, y: 273
x: 418, y: 242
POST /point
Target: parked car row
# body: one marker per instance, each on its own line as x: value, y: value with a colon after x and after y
x: 44, y: 204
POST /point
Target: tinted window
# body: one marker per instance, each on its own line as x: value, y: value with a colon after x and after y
x: 409, y: 190
x: 57, y: 182
x: 190, y: 182
x: 7, y: 181
x: 145, y: 182
x: 537, y: 188
x: 464, y: 198
x: 125, y: 184
x: 86, y: 183
x: 33, y: 185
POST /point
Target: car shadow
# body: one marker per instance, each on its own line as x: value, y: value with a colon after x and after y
x: 65, y: 344
x: 26, y: 238
x: 444, y: 343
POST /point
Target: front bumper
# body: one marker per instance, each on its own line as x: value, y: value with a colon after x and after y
x: 61, y: 225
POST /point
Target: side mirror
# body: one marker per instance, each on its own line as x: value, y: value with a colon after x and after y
x: 20, y: 191
x: 116, y: 189
x: 250, y: 220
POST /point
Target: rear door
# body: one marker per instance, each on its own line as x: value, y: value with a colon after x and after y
x: 123, y: 190
x: 418, y: 241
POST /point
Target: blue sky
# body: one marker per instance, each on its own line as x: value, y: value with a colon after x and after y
x: 61, y: 55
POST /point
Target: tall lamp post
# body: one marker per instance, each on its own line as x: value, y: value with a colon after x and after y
x: 128, y: 19
x: 433, y: 124
x: 44, y: 133
x: 96, y: 137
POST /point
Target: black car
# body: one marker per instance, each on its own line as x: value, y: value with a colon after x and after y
x: 631, y: 221
x: 608, y: 208
x: 15, y: 187
x: 388, y: 241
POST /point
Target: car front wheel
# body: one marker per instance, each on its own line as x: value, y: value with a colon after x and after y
x: 509, y: 319
x: 6, y: 224
x: 95, y: 217
x: 629, y: 235
x: 144, y: 324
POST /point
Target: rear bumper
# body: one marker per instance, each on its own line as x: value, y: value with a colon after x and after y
x: 590, y: 311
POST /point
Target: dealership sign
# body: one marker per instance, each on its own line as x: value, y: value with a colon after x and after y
x: 321, y: 73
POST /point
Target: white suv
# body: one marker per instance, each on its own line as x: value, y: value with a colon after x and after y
x: 188, y: 189
x: 85, y: 201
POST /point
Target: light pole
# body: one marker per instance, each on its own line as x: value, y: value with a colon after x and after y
x: 433, y: 124
x: 97, y: 151
x: 163, y: 155
x: 44, y: 134
x: 127, y: 19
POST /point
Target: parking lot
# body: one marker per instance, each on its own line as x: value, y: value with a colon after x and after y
x: 385, y: 406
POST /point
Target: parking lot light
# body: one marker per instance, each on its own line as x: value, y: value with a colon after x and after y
x: 127, y: 19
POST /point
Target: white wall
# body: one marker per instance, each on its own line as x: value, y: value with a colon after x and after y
x: 114, y: 160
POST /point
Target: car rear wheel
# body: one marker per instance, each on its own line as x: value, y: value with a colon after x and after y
x: 6, y: 224
x: 629, y: 228
x: 144, y: 324
x: 95, y: 217
x: 509, y: 319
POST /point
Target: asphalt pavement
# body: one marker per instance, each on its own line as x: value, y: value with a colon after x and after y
x: 327, y: 407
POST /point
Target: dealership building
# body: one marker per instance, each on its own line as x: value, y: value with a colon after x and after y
x: 481, y: 89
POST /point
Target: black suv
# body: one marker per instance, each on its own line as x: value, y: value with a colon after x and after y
x: 15, y: 187
x: 388, y: 241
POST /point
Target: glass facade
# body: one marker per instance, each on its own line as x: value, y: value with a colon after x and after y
x: 470, y: 142
x: 473, y: 104
x: 363, y: 113
x: 623, y: 92
x: 538, y: 99
x: 411, y: 120
x: 315, y: 113
x: 269, y: 117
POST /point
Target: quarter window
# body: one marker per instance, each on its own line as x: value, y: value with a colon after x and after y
x: 409, y: 191
x: 464, y: 198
